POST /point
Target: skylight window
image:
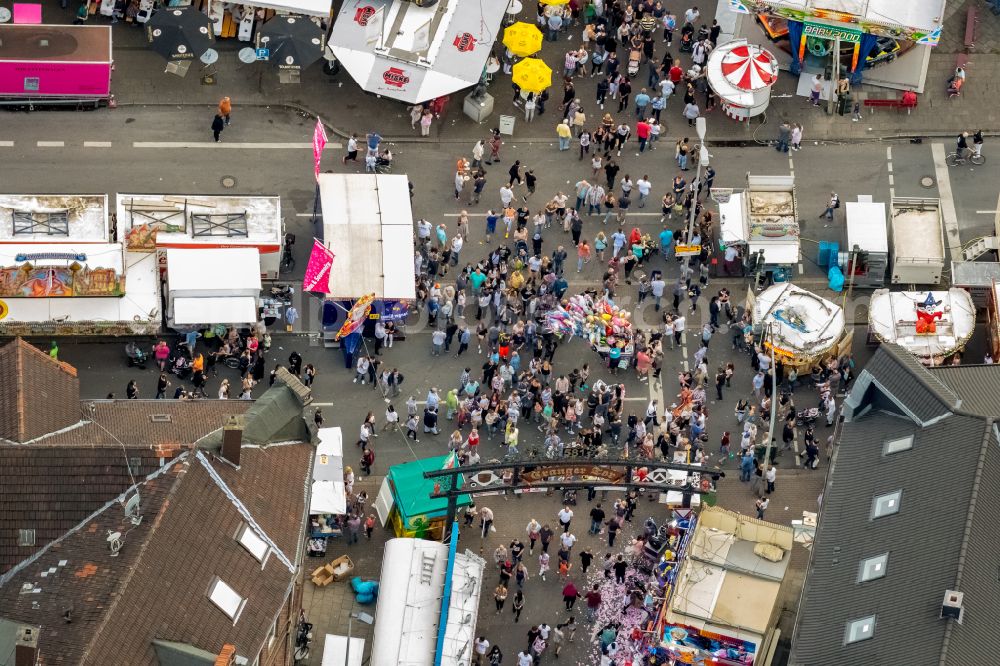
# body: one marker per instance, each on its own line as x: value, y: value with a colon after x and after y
x: 873, y: 567
x: 898, y: 444
x: 226, y: 598
x: 252, y: 542
x: 859, y: 630
x: 886, y: 505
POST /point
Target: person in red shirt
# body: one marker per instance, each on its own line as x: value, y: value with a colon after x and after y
x: 642, y: 134
x: 569, y: 595
x: 593, y: 603
x: 676, y: 73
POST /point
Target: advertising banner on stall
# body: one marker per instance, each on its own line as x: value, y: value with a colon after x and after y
x: 318, y: 269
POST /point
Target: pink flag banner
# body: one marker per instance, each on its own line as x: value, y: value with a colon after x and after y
x: 319, y: 143
x: 317, y: 275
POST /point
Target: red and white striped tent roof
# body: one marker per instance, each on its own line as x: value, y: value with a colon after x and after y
x: 749, y: 67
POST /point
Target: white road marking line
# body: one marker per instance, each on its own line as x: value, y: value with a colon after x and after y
x: 51, y: 144
x: 802, y: 268
x: 307, y: 215
x: 889, y: 165
x: 96, y: 144
x: 952, y: 236
x: 891, y: 180
x: 321, y: 404
x: 6, y: 144
x: 225, y: 145
x: 888, y: 153
x: 986, y: 212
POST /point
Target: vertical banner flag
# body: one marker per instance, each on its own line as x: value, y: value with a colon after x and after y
x: 317, y: 275
x: 319, y: 143
x: 356, y: 316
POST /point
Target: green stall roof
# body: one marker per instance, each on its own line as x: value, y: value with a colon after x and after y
x: 413, y: 491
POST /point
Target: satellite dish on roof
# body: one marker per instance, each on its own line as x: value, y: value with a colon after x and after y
x: 114, y: 542
x: 132, y: 509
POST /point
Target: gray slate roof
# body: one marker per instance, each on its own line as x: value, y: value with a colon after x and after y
x: 942, y: 537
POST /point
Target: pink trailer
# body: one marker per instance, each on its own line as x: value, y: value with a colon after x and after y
x: 55, y: 64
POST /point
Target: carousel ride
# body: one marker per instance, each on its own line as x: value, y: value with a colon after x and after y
x: 934, y: 326
x: 802, y: 328
x: 741, y: 74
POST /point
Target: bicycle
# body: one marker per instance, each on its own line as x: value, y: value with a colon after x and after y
x: 954, y: 159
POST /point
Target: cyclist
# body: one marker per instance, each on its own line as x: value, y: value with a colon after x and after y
x: 977, y: 142
x: 962, y: 146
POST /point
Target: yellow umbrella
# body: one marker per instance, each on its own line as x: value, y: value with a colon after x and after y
x: 532, y: 75
x: 523, y: 39
x: 553, y: 2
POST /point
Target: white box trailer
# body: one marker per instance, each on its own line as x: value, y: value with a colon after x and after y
x: 917, y: 240
x: 763, y: 219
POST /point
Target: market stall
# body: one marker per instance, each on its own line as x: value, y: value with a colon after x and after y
x: 328, y: 502
x: 801, y: 328
x: 428, y: 603
x: 62, y: 273
x: 415, y: 53
x: 931, y: 325
x: 55, y: 64
x: 404, y: 499
x: 212, y: 286
x: 741, y: 74
x: 155, y: 223
x: 368, y: 226
x: 762, y: 223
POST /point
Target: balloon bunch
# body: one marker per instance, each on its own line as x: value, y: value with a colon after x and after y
x: 600, y: 321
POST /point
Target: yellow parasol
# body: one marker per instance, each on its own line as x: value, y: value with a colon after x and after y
x: 532, y: 75
x: 523, y: 39
x: 553, y: 2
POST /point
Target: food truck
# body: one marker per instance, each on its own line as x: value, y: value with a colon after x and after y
x: 155, y: 223
x: 931, y: 325
x: 62, y: 272
x: 763, y: 222
x: 55, y: 64
x: 917, y: 240
x: 866, y: 258
x: 803, y: 329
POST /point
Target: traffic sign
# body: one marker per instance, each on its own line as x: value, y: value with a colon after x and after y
x: 687, y: 250
x: 263, y: 54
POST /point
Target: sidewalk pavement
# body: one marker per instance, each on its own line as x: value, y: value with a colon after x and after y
x: 139, y: 79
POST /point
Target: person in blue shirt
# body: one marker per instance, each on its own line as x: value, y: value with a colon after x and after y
x: 641, y: 102
x: 491, y: 224
x: 373, y: 140
x: 666, y: 241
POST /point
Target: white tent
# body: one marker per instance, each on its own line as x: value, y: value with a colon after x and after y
x: 328, y: 492
x: 212, y: 286
x: 412, y: 53
x: 368, y: 225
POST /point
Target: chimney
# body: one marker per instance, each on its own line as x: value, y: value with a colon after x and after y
x: 227, y: 657
x: 232, y: 439
x: 26, y: 648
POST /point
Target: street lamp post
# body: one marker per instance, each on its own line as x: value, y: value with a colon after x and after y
x: 703, y: 157
x: 363, y: 617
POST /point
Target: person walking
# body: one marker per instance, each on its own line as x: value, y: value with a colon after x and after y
x: 485, y: 520
x: 565, y: 518
x: 761, y: 506
x: 594, y: 600
x: 784, y: 132
x: 620, y: 567
x: 218, y: 124
x: 225, y: 109
x: 564, y: 133
x: 500, y: 597
x: 352, y: 150
x: 570, y: 595
x: 831, y: 206
x: 796, y: 138
x: 518, y: 605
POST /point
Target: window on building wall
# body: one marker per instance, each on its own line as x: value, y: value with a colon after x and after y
x: 252, y: 542
x: 873, y: 567
x: 886, y: 505
x: 26, y: 537
x: 859, y: 630
x: 226, y: 598
x: 897, y: 445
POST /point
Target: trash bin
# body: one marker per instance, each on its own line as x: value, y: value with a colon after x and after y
x: 843, y: 105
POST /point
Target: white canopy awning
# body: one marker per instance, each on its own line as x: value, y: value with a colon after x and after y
x: 231, y: 271
x: 215, y: 310
x: 328, y: 497
x: 412, y: 53
x: 329, y: 464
